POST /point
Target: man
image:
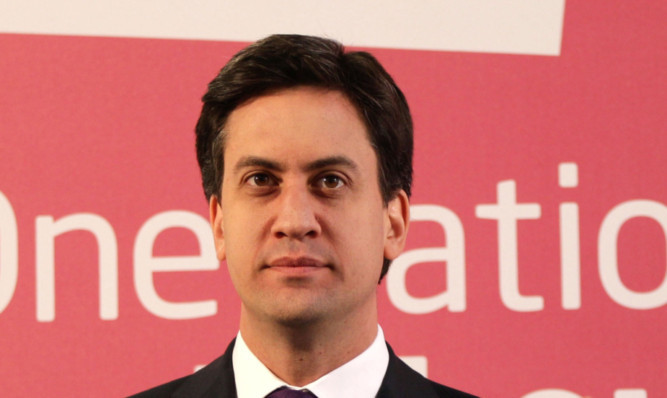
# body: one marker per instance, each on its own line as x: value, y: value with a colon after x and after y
x: 306, y: 160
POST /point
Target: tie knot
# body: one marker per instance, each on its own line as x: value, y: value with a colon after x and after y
x: 286, y: 392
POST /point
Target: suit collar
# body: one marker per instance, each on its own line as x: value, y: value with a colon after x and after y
x: 215, y: 380
x: 401, y: 381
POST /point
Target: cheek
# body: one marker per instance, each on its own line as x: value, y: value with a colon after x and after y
x: 242, y: 221
x: 237, y: 243
x: 361, y: 241
x: 246, y: 235
x: 240, y: 250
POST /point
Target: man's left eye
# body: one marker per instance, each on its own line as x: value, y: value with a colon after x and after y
x: 331, y: 182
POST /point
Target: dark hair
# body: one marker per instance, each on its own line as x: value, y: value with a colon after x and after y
x: 286, y: 61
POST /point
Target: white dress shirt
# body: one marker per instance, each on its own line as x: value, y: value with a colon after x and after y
x: 359, y: 378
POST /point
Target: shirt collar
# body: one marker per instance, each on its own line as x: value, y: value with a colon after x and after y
x: 359, y: 378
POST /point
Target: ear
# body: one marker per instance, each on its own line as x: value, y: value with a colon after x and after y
x: 215, y: 216
x: 396, y: 225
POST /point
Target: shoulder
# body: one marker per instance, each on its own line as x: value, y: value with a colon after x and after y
x: 402, y: 381
x: 214, y: 380
x: 444, y: 391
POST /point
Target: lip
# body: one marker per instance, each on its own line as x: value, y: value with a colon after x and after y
x: 296, y: 265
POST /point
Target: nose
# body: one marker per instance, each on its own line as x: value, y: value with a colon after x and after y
x: 296, y: 214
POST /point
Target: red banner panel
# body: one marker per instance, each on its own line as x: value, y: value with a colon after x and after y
x: 536, y: 262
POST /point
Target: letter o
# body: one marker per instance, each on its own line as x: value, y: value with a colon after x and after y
x: 608, y: 254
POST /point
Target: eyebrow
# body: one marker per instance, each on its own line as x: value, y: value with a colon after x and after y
x: 331, y: 161
x: 256, y: 161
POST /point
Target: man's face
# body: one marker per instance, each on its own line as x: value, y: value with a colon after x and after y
x: 301, y: 220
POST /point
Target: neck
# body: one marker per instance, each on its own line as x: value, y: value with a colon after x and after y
x: 302, y: 353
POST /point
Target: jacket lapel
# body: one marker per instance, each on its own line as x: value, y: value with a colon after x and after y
x: 214, y: 380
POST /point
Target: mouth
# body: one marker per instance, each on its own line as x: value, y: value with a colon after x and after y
x: 297, y: 265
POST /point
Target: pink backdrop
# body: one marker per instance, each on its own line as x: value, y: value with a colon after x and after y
x: 96, y: 141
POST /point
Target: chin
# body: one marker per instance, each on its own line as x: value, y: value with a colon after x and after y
x: 299, y: 319
x: 297, y: 313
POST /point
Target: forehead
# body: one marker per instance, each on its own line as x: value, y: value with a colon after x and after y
x: 301, y: 122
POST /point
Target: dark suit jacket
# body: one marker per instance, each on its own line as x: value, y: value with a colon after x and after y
x: 216, y: 380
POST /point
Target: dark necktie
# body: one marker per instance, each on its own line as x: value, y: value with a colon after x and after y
x: 284, y: 392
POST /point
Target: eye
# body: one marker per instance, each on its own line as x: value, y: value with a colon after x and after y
x: 330, y: 181
x: 261, y: 180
